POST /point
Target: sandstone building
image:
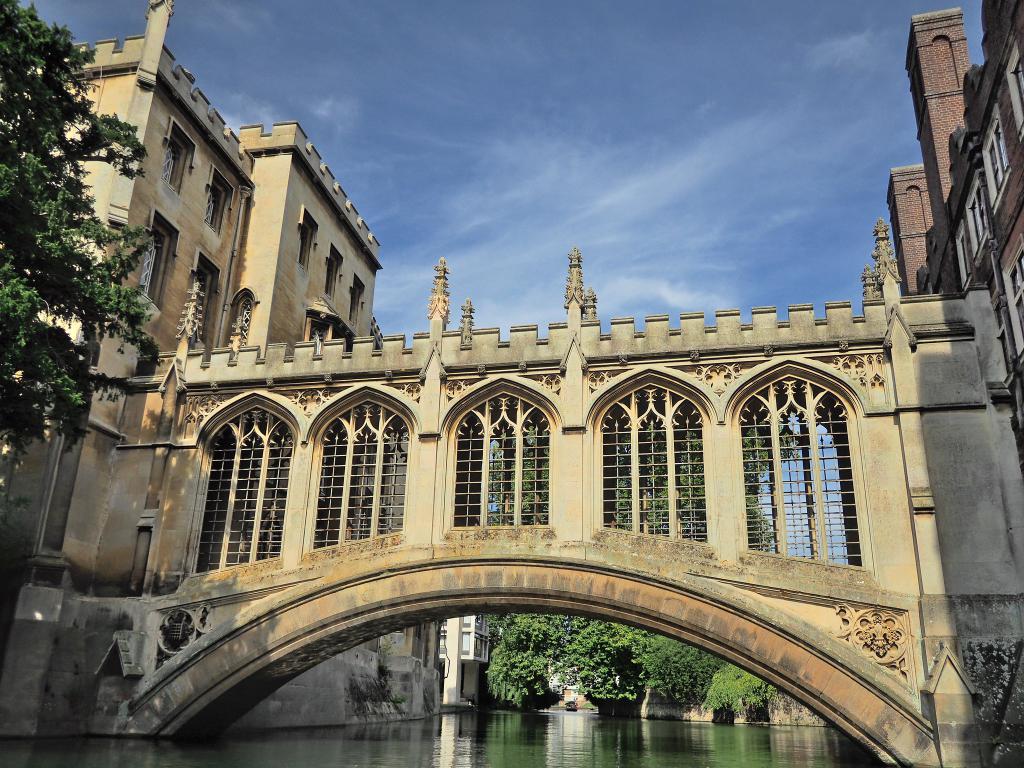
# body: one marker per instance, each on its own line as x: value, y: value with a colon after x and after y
x: 830, y: 500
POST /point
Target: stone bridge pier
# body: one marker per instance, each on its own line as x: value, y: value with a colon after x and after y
x: 833, y: 503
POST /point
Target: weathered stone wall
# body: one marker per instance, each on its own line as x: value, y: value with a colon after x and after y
x: 783, y: 711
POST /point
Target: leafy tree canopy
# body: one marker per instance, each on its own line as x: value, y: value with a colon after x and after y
x: 680, y: 671
x: 523, y: 648
x: 734, y: 689
x: 606, y: 659
x: 61, y: 269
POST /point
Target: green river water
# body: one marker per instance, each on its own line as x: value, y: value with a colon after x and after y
x: 469, y: 740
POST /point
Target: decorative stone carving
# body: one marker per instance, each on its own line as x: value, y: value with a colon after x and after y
x: 456, y: 387
x: 191, y: 313
x: 311, y: 399
x: 867, y: 370
x: 550, y: 381
x: 574, y: 280
x: 718, y: 376
x: 769, y: 350
x: 466, y: 324
x: 879, y: 633
x: 598, y: 379
x: 198, y: 407
x: 694, y: 355
x: 885, y: 268
x: 410, y: 389
x: 590, y: 304
x: 180, y: 628
x: 438, y: 305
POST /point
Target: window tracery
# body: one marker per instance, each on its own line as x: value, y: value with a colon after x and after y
x: 652, y: 459
x: 798, y: 473
x: 502, y: 465
x: 243, y: 513
x: 363, y: 464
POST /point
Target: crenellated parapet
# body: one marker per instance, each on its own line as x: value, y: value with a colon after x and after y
x: 291, y: 137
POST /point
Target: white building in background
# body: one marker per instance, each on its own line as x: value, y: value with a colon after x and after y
x: 464, y: 649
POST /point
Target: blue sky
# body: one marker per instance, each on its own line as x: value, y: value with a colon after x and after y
x: 701, y: 155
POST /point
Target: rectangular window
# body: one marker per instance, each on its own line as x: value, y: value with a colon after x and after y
x: 156, y: 258
x: 961, y: 255
x: 333, y: 272
x: 218, y: 197
x: 995, y: 159
x: 208, y: 275
x: 1015, y: 81
x: 977, y: 218
x: 178, y: 151
x: 307, y: 237
x: 1015, y: 287
x: 467, y: 644
x: 355, y: 300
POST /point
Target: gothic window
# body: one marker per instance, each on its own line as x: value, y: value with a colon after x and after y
x: 243, y: 514
x: 218, y: 195
x: 333, y: 272
x: 363, y: 463
x: 241, y: 321
x: 355, y: 300
x: 798, y: 474
x: 652, y: 462
x: 502, y: 464
x: 307, y: 237
x: 178, y: 150
x: 155, y: 259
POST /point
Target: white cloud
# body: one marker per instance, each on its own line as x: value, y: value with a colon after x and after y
x: 341, y: 111
x: 858, y: 49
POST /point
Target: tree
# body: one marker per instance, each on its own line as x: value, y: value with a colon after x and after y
x: 736, y: 691
x: 62, y: 270
x: 606, y: 660
x: 524, y: 647
x: 680, y: 671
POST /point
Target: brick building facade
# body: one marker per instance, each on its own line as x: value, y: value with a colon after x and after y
x: 970, y: 122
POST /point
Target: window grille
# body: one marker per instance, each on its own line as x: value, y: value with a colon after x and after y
x: 652, y: 456
x: 172, y: 152
x: 149, y: 259
x: 246, y: 494
x: 364, y: 460
x: 502, y: 465
x: 798, y: 474
x: 243, y: 318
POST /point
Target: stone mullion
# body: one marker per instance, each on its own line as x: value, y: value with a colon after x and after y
x: 485, y: 458
x: 378, y: 471
x: 781, y: 544
x: 261, y: 488
x: 634, y: 463
x: 819, y: 500
x: 231, y: 498
x: 347, y: 486
x: 517, y: 485
x: 671, y: 469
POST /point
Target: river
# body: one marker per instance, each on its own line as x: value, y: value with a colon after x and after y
x: 469, y: 740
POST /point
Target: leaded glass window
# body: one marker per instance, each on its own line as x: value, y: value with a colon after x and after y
x: 246, y: 493
x: 652, y: 465
x: 364, y: 457
x: 502, y: 465
x: 798, y: 474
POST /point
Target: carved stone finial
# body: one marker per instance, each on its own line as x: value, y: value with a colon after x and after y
x: 574, y: 282
x: 466, y: 325
x: 191, y: 313
x: 590, y: 305
x: 438, y: 306
x: 885, y: 268
x: 154, y: 4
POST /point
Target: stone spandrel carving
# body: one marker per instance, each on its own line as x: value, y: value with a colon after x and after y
x: 867, y: 370
x: 179, y: 628
x: 879, y: 633
x: 550, y: 381
x: 598, y: 379
x: 410, y: 389
x: 719, y: 376
x: 312, y: 398
x: 198, y: 407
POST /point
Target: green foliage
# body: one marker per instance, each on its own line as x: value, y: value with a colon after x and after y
x: 61, y: 269
x: 739, y: 691
x: 680, y: 671
x: 523, y: 651
x: 606, y: 659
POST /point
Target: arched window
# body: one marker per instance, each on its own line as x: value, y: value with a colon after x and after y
x: 502, y: 464
x: 652, y: 461
x: 364, y: 459
x: 798, y: 473
x: 243, y: 515
x: 242, y: 317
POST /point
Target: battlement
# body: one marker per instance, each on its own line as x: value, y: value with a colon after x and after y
x: 291, y: 136
x: 655, y: 339
x: 111, y: 53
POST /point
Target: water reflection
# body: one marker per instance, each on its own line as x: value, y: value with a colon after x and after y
x: 471, y: 740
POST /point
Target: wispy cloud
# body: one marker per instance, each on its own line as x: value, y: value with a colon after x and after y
x: 340, y: 112
x: 857, y: 49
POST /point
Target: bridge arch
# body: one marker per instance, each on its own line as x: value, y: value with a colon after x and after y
x: 238, y: 663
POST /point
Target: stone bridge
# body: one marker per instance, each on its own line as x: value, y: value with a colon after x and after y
x: 830, y: 502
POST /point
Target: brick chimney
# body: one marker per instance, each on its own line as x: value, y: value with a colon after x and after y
x: 911, y: 216
x: 937, y: 59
